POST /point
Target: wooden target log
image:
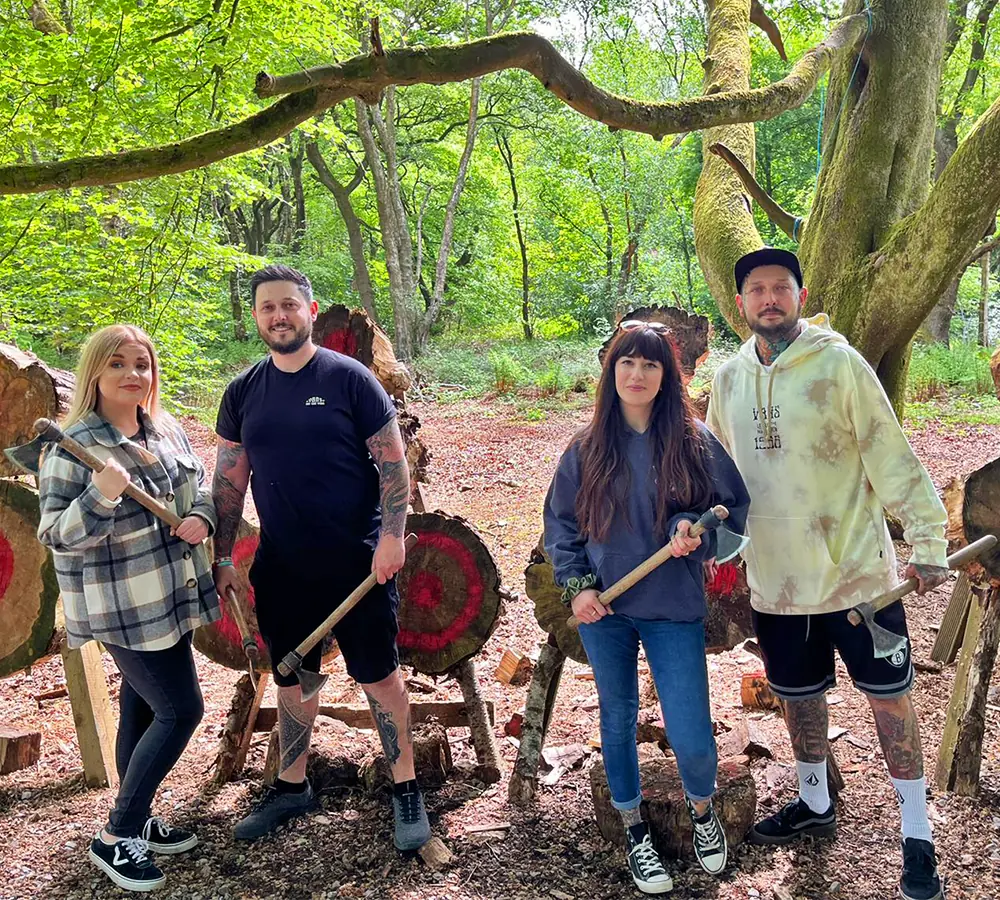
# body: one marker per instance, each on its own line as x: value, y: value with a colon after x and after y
x: 29, y: 390
x: 973, y: 505
x: 691, y: 334
x: 449, y: 593
x: 550, y: 612
x: 28, y: 590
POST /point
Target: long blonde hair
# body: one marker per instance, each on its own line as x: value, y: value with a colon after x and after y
x: 94, y: 358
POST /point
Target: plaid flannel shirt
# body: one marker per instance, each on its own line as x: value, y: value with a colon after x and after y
x: 124, y: 580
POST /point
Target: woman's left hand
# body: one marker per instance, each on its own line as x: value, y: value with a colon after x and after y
x: 193, y: 529
x: 681, y: 542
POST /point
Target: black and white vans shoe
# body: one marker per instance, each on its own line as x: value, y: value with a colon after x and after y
x: 163, y: 838
x: 791, y: 822
x: 920, y: 879
x: 126, y: 862
x: 710, y: 844
x: 644, y: 862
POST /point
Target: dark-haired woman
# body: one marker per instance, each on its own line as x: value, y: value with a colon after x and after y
x: 636, y: 477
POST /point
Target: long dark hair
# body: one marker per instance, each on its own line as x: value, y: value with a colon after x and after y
x: 679, y: 450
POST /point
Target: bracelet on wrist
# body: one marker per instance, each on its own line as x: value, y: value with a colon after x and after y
x: 223, y: 561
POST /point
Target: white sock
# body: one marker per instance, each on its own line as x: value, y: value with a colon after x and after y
x: 912, y: 797
x: 812, y: 785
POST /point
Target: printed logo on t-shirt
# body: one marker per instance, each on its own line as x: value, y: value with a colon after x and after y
x: 766, y: 425
x: 315, y: 401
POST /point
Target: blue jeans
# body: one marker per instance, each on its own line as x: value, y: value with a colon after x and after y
x: 676, y: 655
x: 160, y: 707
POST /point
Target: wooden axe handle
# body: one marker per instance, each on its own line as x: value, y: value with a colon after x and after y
x: 646, y: 566
x: 52, y: 432
x: 352, y: 600
x: 958, y: 559
x: 241, y: 621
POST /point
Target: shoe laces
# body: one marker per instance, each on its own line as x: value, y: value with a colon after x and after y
x: 707, y: 834
x: 162, y: 827
x: 409, y: 806
x: 647, y: 858
x: 787, y: 813
x: 267, y: 798
x: 136, y: 848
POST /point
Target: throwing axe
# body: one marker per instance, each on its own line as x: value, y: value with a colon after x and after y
x: 312, y: 683
x: 886, y: 642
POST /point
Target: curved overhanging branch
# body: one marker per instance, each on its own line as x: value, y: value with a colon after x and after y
x: 781, y: 217
x: 760, y: 18
x: 927, y: 250
x: 315, y: 90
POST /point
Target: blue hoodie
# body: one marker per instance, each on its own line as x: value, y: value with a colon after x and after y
x: 675, y: 591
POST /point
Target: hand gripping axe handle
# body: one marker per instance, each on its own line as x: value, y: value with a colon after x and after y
x: 709, y: 520
x: 887, y: 643
x: 312, y: 683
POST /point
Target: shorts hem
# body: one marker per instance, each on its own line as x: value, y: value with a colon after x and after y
x: 809, y: 692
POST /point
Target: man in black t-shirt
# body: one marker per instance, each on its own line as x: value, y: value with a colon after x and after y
x: 315, y: 435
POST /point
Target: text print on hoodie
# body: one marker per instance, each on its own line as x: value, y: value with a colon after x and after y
x: 821, y: 452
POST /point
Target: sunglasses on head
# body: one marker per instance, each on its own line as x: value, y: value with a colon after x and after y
x: 640, y: 323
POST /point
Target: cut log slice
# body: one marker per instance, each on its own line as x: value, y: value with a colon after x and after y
x: 663, y: 805
x: 981, y: 512
x: 550, y: 612
x: 449, y: 593
x: 29, y: 390
x: 351, y: 332
x: 690, y: 332
x: 29, y: 594
x: 221, y: 641
x: 728, y: 622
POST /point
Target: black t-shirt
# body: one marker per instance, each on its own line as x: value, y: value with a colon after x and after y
x: 314, y: 482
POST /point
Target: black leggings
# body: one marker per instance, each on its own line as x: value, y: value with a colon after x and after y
x: 161, y: 706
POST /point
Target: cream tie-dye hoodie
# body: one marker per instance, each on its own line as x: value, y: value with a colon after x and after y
x: 821, y: 452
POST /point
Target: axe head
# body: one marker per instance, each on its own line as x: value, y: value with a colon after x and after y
x: 728, y: 544
x: 311, y: 683
x: 885, y: 642
x: 27, y: 457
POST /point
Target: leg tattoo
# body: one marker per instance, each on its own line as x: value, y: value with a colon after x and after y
x: 808, y: 724
x: 899, y: 734
x: 293, y: 733
x: 387, y: 730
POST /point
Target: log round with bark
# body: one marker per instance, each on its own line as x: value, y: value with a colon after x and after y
x: 449, y: 592
x: 663, y: 804
x: 689, y: 331
x: 973, y: 505
x: 550, y: 612
x: 28, y: 590
x: 29, y: 390
x: 728, y: 598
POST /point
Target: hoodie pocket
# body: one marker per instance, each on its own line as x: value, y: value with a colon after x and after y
x: 788, y: 561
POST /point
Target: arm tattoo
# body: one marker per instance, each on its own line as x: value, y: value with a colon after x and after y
x: 899, y: 734
x: 386, y: 448
x: 229, y: 489
x: 808, y: 724
x: 387, y: 729
x: 293, y: 734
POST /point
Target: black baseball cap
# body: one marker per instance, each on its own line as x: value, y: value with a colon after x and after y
x: 766, y: 256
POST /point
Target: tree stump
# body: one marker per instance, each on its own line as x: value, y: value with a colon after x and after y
x: 663, y: 803
x: 449, y: 592
x: 537, y: 714
x: 490, y: 769
x: 18, y: 749
x: 550, y: 612
x: 238, y: 730
x: 690, y: 332
x: 728, y: 622
x: 431, y: 761
x: 29, y: 593
x: 29, y: 390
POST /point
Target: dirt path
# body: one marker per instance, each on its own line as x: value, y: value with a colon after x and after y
x: 493, y: 468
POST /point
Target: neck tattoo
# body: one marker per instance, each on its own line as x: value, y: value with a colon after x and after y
x: 768, y: 349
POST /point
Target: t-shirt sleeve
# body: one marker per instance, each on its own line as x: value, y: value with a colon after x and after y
x: 373, y: 408
x: 229, y: 422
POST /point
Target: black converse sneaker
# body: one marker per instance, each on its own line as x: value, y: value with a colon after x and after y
x: 644, y: 862
x: 163, y: 838
x: 792, y: 821
x: 126, y: 862
x: 920, y: 878
x: 710, y: 844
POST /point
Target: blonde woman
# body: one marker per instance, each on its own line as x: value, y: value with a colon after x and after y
x: 132, y: 582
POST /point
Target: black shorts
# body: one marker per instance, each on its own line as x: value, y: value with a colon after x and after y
x: 798, y: 653
x: 291, y: 602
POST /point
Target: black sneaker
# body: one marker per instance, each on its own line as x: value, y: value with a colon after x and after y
x: 792, y: 821
x: 126, y: 862
x: 412, y: 828
x: 920, y: 878
x: 163, y: 838
x: 274, y: 808
x: 644, y: 862
x: 710, y: 844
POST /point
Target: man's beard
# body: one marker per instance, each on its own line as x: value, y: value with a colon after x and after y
x: 297, y: 341
x: 784, y: 330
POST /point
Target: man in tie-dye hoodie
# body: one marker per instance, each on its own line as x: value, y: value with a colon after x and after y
x: 816, y: 441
